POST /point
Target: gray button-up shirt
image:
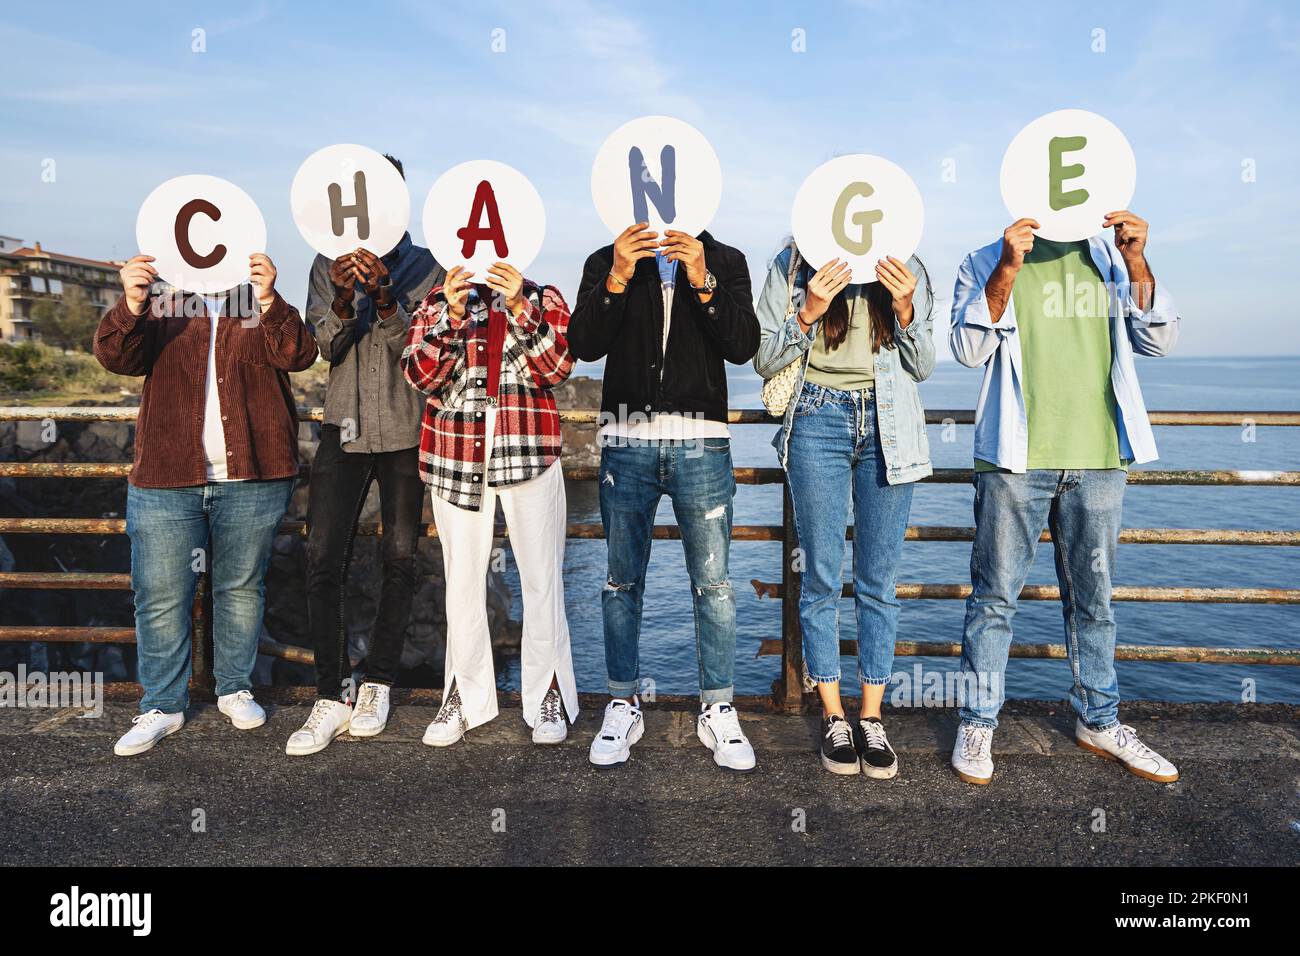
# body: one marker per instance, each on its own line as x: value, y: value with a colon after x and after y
x: 367, y: 397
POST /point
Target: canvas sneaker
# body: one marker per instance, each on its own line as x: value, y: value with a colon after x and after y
x: 972, y: 754
x: 327, y: 720
x: 1121, y: 743
x: 621, y: 728
x: 878, y: 758
x: 244, y: 712
x: 718, y: 728
x: 837, y: 751
x: 551, y: 727
x: 370, y: 716
x: 449, y: 726
x: 146, y: 730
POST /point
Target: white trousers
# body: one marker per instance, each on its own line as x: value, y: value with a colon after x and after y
x: 536, y: 519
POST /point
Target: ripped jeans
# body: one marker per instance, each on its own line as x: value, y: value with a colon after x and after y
x: 697, y: 476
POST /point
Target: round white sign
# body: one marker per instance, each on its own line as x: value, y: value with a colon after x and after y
x: 659, y: 170
x: 346, y: 197
x: 483, y: 212
x: 1067, y: 170
x: 860, y: 209
x: 200, y: 231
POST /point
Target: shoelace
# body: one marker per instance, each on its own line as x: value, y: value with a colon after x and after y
x: 875, y: 735
x: 147, y: 718
x: 318, y: 714
x: 726, y: 726
x: 840, y: 735
x: 1128, y: 739
x: 368, y: 705
x: 243, y: 695
x: 976, y: 741
x: 551, y: 707
x: 450, y: 710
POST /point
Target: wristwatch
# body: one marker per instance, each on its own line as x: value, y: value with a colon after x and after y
x: 710, y: 283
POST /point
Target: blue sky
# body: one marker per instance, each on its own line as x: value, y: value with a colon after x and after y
x: 115, y: 96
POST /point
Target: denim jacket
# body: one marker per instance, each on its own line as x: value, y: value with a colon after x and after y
x: 1001, y: 432
x: 899, y: 413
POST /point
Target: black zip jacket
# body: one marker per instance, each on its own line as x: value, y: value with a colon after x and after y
x: 628, y: 328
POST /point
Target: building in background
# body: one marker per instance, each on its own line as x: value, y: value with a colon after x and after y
x: 31, y: 274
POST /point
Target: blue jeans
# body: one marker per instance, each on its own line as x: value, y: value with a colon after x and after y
x: 1083, y: 510
x: 697, y: 476
x: 835, y: 456
x: 170, y: 531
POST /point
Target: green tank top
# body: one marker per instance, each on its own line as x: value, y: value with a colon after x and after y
x: 852, y: 366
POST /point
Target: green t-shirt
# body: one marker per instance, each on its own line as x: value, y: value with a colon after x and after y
x: 1063, y: 320
x: 852, y: 366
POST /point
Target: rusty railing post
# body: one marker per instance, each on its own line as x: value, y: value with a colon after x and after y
x: 789, y: 687
x: 202, y: 682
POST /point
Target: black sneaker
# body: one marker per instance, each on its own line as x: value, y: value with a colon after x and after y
x: 878, y: 758
x: 838, y: 754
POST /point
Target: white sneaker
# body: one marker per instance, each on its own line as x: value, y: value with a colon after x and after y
x: 1121, y: 743
x: 328, y: 719
x: 718, y: 728
x: 622, y: 727
x: 244, y: 712
x: 972, y: 754
x: 551, y: 727
x: 146, y: 730
x: 449, y: 726
x: 370, y: 716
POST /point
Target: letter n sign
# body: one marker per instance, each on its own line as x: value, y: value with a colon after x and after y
x: 663, y: 195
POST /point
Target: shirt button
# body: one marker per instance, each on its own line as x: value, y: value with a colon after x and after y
x: 230, y: 454
x: 606, y: 300
x: 712, y: 310
x: 647, y: 408
x: 476, y: 477
x: 478, y: 414
x: 220, y: 381
x: 478, y: 444
x: 223, y: 418
x: 482, y: 348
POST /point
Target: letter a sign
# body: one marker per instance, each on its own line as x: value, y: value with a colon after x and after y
x: 482, y: 212
x: 1067, y: 170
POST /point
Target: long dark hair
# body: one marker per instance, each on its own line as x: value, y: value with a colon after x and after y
x: 880, y: 306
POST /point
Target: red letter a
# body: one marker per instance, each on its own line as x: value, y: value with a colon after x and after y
x: 470, y: 234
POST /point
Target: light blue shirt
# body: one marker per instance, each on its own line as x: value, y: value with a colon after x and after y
x: 1001, y: 433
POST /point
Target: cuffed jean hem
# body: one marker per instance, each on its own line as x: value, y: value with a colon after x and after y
x: 835, y: 679
x: 1103, y: 727
x: 872, y: 681
x: 234, y: 688
x: 980, y: 722
x: 619, y: 688
x: 722, y: 695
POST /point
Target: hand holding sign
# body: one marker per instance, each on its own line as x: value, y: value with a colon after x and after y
x: 137, y: 276
x: 505, y: 279
x: 827, y: 282
x: 261, y: 270
x: 456, y: 290
x: 633, y: 244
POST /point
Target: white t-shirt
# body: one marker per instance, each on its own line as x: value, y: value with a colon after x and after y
x: 214, y: 431
x: 666, y: 426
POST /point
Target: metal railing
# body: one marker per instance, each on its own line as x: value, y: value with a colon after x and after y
x: 787, y: 689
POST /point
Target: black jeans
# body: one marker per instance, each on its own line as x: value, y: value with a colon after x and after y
x: 340, y: 481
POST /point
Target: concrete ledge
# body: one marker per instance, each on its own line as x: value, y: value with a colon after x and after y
x: 389, y: 800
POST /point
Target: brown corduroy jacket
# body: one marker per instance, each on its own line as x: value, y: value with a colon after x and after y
x: 168, y: 345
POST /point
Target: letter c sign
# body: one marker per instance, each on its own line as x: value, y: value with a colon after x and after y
x: 200, y: 231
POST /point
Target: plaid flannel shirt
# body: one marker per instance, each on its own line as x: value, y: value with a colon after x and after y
x: 448, y: 361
